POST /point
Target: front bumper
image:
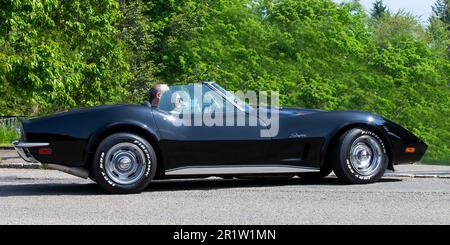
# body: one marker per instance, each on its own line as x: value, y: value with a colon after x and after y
x: 22, y: 149
x: 400, y: 141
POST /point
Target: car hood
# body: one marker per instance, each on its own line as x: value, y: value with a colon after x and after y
x: 289, y: 111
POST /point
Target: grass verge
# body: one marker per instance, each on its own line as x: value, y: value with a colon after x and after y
x: 7, y: 135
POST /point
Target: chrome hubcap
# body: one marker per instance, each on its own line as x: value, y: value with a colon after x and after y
x: 125, y: 163
x: 366, y: 155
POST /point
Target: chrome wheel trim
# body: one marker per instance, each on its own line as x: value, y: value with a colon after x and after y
x: 366, y: 155
x: 125, y: 163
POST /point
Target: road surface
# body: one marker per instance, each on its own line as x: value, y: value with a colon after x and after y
x: 31, y: 196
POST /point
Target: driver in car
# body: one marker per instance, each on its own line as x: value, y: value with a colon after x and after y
x: 156, y: 92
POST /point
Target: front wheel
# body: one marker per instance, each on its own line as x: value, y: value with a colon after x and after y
x: 124, y: 163
x: 360, y: 157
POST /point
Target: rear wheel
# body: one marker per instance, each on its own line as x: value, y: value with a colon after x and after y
x: 360, y: 157
x: 124, y: 163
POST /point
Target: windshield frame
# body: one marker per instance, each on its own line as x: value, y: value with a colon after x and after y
x: 216, y: 88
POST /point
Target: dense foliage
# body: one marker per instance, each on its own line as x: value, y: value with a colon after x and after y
x: 58, y: 54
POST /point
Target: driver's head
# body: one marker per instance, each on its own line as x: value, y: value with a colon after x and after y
x: 156, y: 92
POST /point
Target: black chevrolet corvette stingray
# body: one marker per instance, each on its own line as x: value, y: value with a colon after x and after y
x: 124, y: 147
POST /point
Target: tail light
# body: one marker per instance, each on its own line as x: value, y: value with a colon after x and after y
x: 45, y: 151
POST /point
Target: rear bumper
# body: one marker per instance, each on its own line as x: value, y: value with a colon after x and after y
x: 22, y: 148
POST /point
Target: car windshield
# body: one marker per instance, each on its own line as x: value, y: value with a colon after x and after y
x: 199, y: 97
x: 231, y: 97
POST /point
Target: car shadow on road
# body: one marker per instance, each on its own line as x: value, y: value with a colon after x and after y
x: 49, y: 189
x: 211, y: 184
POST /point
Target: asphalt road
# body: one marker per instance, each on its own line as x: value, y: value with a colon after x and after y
x: 29, y: 196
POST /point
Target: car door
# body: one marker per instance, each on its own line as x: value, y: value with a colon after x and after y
x: 205, y: 148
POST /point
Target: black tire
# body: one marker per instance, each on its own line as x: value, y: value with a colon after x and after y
x: 116, y: 158
x: 360, y: 156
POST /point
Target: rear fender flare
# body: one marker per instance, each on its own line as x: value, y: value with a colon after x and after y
x: 143, y: 130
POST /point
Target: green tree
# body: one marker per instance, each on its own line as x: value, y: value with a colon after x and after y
x: 60, y: 54
x: 263, y: 46
x: 413, y: 81
x: 378, y: 9
x: 439, y: 27
x: 441, y: 11
x: 137, y: 29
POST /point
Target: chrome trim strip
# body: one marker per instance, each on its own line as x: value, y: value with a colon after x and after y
x: 291, y: 160
x: 19, y: 144
x: 239, y: 169
x: 393, y: 135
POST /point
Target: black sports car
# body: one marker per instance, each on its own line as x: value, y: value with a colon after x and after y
x: 124, y: 147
